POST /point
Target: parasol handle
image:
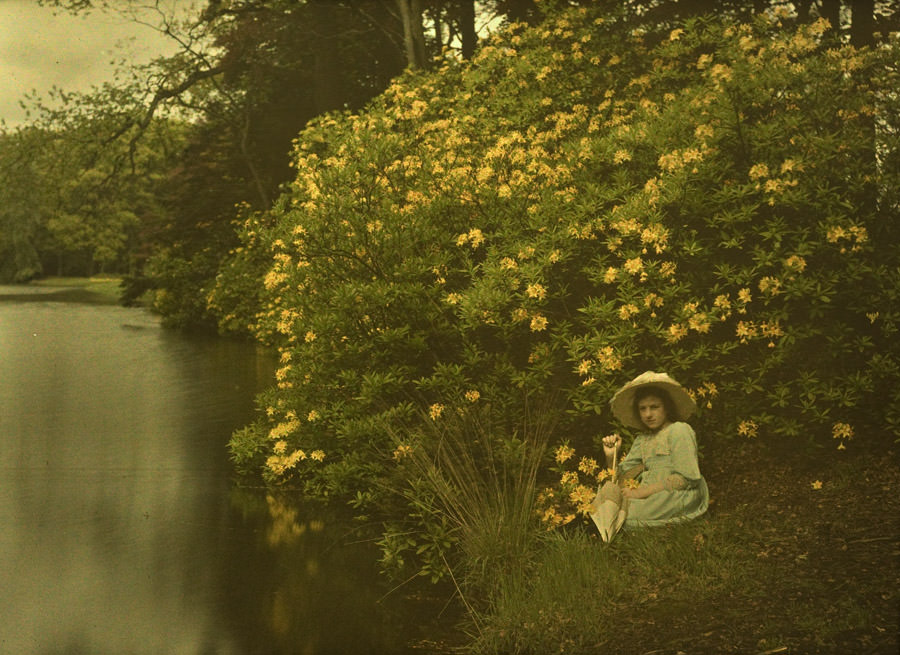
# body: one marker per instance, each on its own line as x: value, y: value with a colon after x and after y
x: 615, y: 465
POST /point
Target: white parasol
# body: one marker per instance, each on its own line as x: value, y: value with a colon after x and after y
x: 609, y: 507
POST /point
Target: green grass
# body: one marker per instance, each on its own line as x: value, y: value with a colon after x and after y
x: 577, y: 589
x: 106, y: 288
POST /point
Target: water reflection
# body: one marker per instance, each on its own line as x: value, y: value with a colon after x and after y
x: 121, y: 529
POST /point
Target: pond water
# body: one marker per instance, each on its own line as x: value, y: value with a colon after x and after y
x: 121, y: 527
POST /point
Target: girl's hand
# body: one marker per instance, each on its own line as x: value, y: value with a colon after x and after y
x: 643, y: 491
x: 611, y: 444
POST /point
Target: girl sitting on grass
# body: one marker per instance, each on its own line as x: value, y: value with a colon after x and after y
x: 663, y: 458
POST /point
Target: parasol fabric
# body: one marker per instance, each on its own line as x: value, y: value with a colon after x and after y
x: 609, y: 510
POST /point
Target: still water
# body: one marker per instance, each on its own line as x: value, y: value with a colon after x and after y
x: 121, y: 529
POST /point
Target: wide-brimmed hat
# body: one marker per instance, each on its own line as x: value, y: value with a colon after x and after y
x: 622, y: 403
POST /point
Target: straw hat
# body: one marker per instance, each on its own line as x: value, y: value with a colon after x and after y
x: 622, y: 403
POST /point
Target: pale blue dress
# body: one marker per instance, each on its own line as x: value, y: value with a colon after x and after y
x: 670, y: 457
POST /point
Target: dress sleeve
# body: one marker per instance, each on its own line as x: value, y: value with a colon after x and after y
x: 683, y: 451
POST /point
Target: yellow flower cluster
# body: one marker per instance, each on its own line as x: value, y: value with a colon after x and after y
x: 748, y: 429
x: 772, y: 186
x: 705, y: 392
x: 771, y: 330
x: 572, y: 495
x: 795, y: 263
x: 284, y: 429
x: 588, y: 465
x: 676, y: 332
x: 582, y: 496
x: 679, y: 160
x: 279, y: 464
x: 536, y: 291
x: 402, y: 451
x: 843, y: 432
x: 854, y: 235
x: 628, y: 310
x: 655, y: 235
x: 538, y: 323
x: 770, y: 286
x: 473, y: 237
x: 608, y: 360
x: 564, y: 453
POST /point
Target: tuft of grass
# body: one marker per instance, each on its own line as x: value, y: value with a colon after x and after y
x: 480, y: 477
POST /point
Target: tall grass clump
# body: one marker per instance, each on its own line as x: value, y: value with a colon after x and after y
x: 474, y: 474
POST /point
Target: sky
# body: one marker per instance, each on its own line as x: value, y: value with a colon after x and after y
x: 40, y: 48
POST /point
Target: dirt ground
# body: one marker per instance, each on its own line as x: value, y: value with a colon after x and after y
x: 825, y: 533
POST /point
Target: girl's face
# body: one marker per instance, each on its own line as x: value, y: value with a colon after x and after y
x: 652, y: 411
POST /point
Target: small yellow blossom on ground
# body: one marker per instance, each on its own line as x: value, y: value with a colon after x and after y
x: 816, y: 485
x: 473, y: 395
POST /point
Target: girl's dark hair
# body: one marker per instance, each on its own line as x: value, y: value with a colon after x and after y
x: 662, y: 394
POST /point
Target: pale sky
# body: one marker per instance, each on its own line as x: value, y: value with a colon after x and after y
x: 40, y: 48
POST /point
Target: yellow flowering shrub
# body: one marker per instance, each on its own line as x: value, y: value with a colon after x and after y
x: 550, y: 220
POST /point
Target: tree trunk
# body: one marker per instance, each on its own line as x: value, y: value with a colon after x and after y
x: 413, y: 32
x: 467, y: 28
x: 517, y: 11
x: 328, y: 91
x: 831, y: 10
x: 803, y: 10
x: 862, y: 25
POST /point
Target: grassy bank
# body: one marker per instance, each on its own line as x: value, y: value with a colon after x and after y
x: 794, y: 556
x: 100, y: 289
